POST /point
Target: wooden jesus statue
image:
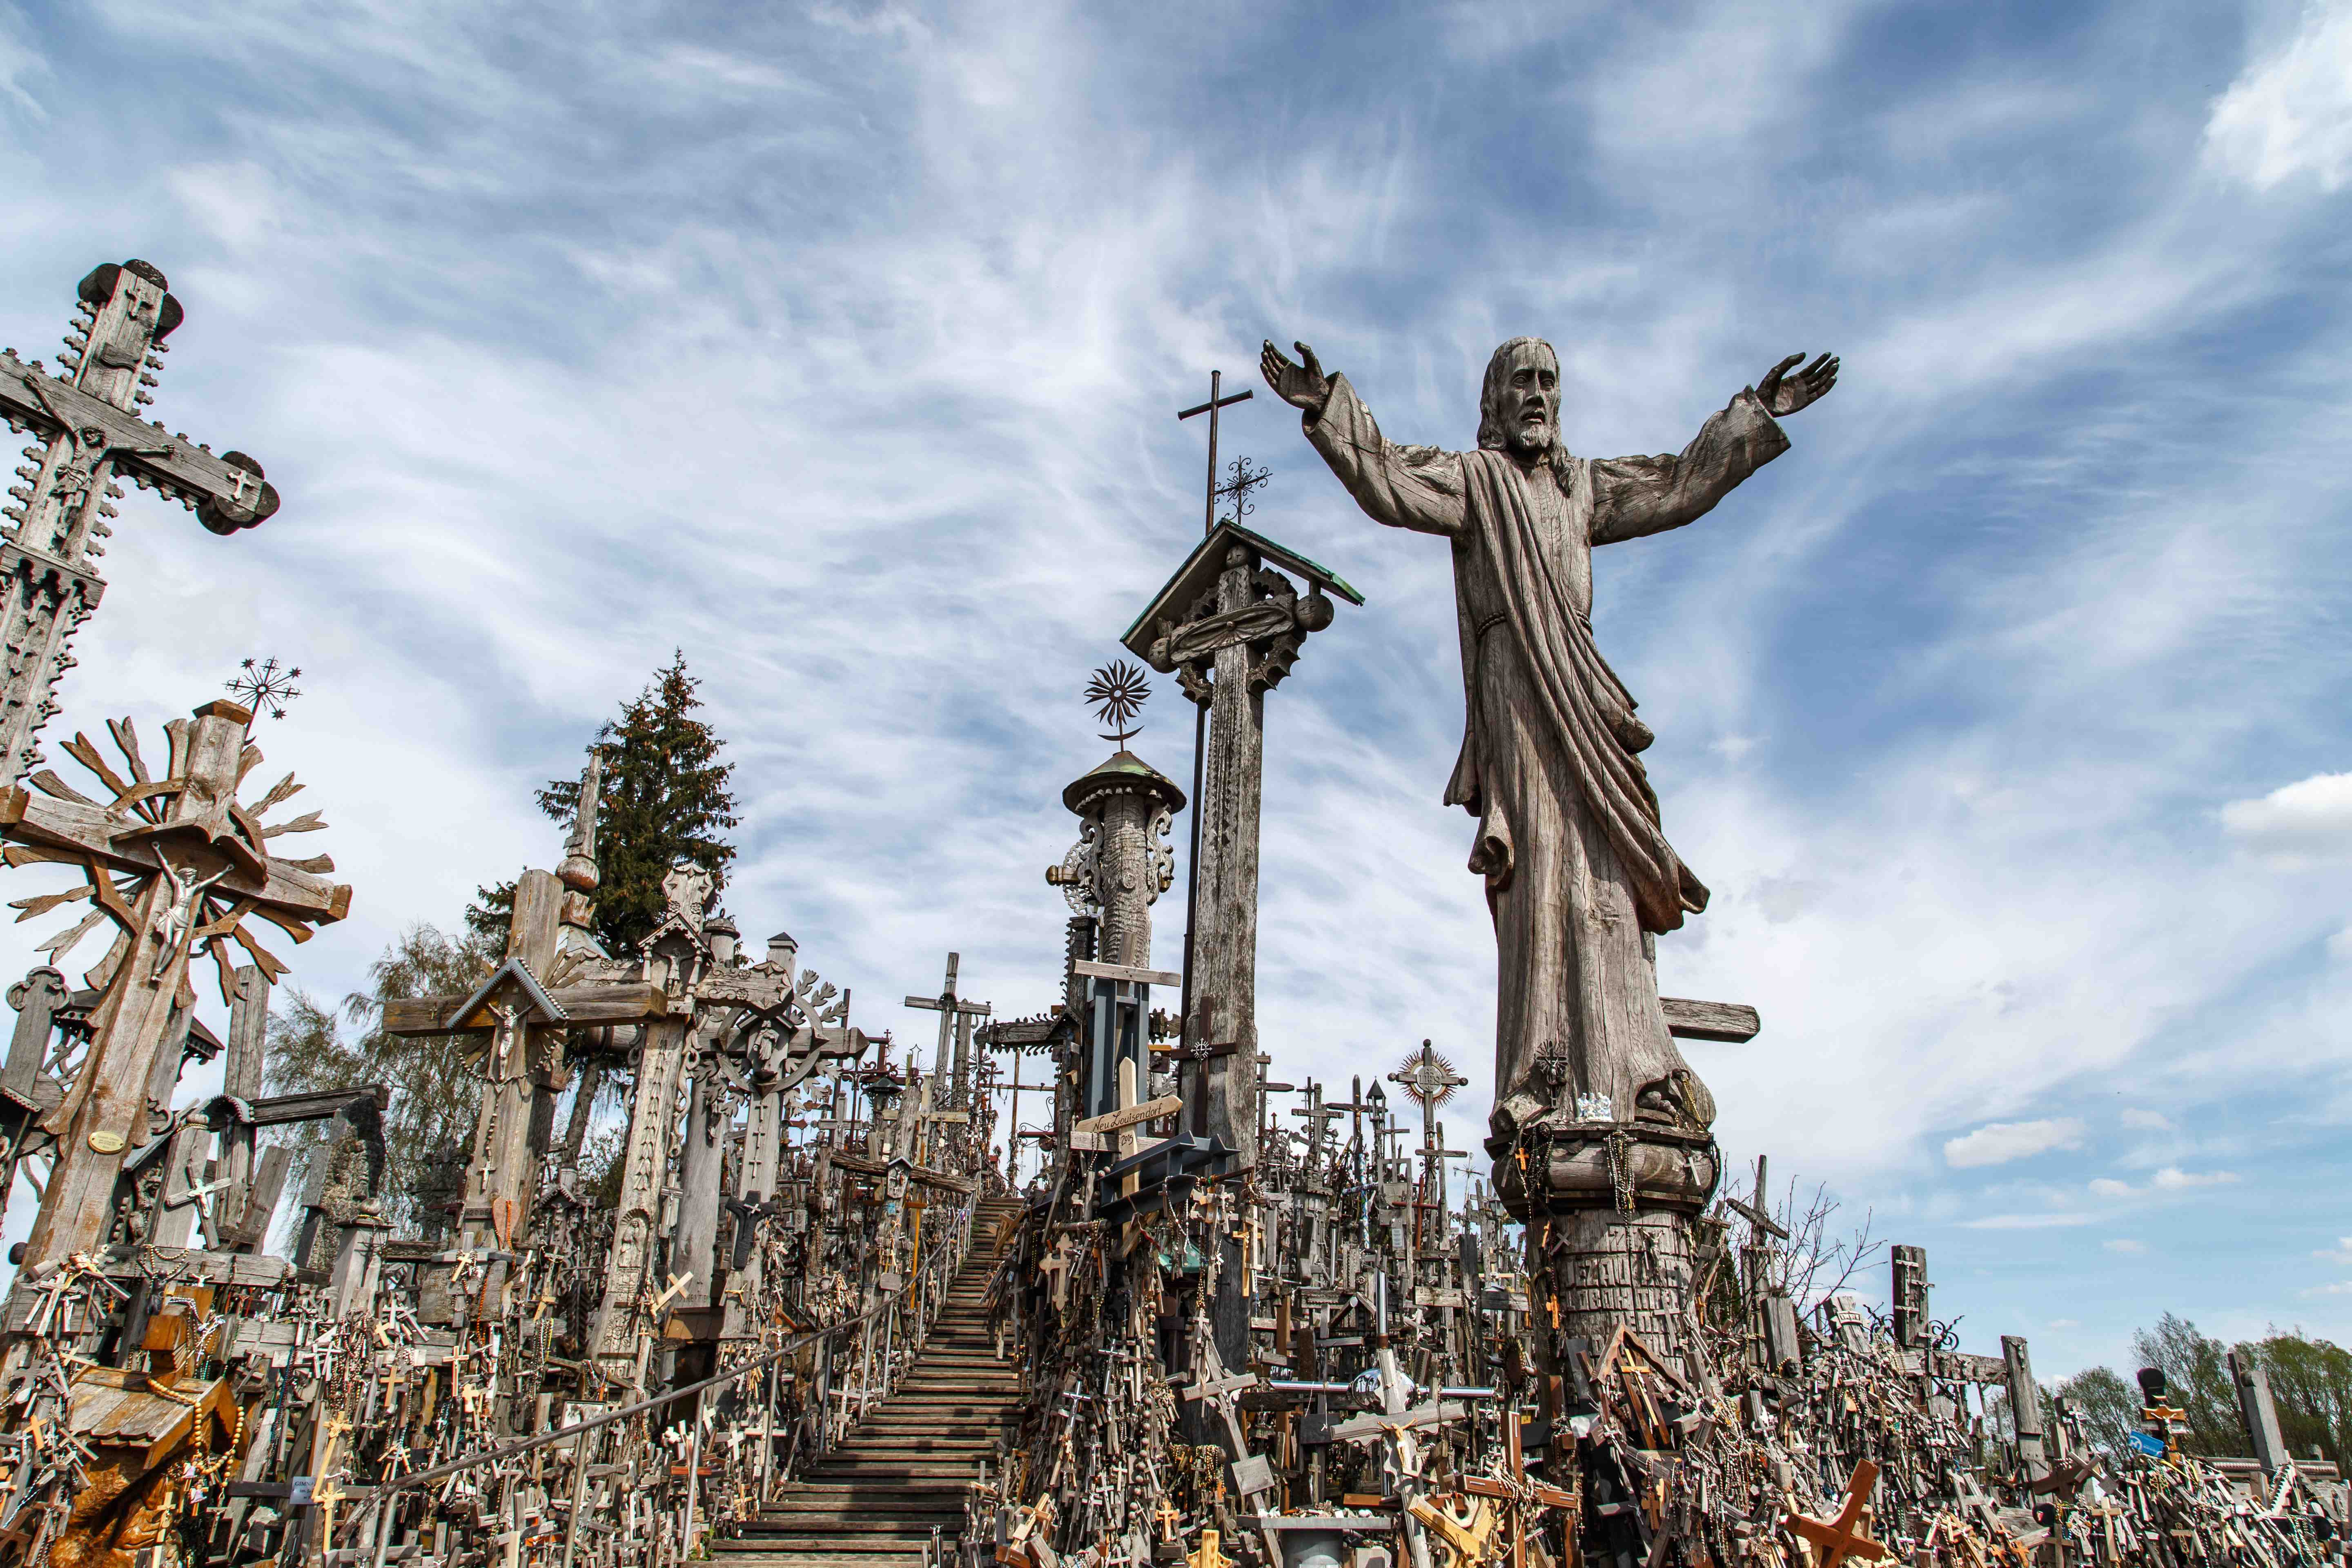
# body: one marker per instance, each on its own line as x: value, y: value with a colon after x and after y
x: 1580, y: 877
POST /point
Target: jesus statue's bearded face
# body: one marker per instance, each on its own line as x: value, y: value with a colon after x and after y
x: 1530, y: 400
x: 1519, y: 406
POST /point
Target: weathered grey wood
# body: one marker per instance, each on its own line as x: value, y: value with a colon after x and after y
x: 616, y: 1337
x: 39, y: 820
x: 1149, y: 1111
x: 1727, y: 1022
x: 247, y: 1046
x: 2257, y: 1409
x: 90, y: 436
x: 312, y: 1104
x: 1579, y: 874
x: 37, y: 999
x: 502, y: 1174
x: 619, y: 1001
x: 86, y: 422
x: 1132, y: 974
x: 694, y: 1244
x: 2025, y: 1408
x: 206, y: 847
x: 269, y: 1169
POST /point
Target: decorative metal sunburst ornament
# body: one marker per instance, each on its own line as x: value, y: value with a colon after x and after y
x: 264, y: 688
x: 1119, y: 691
x: 1428, y: 1078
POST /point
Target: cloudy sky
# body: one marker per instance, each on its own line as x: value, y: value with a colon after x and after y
x: 839, y: 346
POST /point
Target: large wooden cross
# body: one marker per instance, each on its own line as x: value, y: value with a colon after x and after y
x: 87, y: 433
x: 955, y: 1024
x: 1198, y: 1050
x: 176, y: 865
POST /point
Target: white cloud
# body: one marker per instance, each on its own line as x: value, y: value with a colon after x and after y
x: 2173, y: 1178
x: 2147, y: 1120
x: 18, y: 60
x: 2295, y: 824
x: 2026, y: 1222
x: 2123, y: 1243
x: 2064, y: 1324
x: 2341, y: 1288
x: 2290, y: 113
x: 2108, y: 1187
x: 1999, y: 1142
x: 2339, y: 1253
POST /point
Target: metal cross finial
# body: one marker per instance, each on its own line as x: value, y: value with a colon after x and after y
x: 1216, y: 402
x: 265, y: 687
x: 1119, y: 692
x: 1237, y: 488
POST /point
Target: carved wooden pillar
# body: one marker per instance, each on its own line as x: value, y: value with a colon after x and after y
x: 653, y: 1117
x: 1230, y: 624
x: 1116, y: 870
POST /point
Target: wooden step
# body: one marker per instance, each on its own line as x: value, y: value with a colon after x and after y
x: 944, y: 1508
x: 764, y: 1554
x: 850, y: 1537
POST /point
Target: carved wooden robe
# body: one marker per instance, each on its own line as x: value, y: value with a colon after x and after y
x: 1578, y: 872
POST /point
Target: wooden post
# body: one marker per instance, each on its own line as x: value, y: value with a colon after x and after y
x: 701, y: 1166
x: 2025, y: 1408
x: 37, y: 999
x: 243, y: 1066
x: 1234, y: 625
x: 2257, y: 1409
x: 1225, y: 946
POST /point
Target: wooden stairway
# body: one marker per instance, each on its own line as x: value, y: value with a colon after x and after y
x: 905, y: 1469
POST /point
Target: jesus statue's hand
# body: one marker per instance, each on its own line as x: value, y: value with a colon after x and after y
x: 1304, y: 387
x: 1783, y: 398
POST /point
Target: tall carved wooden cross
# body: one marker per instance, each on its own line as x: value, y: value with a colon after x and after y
x: 955, y: 1024
x: 176, y: 865
x: 1229, y: 625
x: 86, y: 434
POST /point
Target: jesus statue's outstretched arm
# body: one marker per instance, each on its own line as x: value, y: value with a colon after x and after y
x: 1419, y: 488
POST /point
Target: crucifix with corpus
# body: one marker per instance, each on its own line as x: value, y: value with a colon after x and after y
x: 86, y: 434
x: 177, y: 865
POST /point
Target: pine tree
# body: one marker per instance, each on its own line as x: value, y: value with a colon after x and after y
x: 663, y: 801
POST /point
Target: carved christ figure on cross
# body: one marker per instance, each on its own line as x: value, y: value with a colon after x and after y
x: 175, y: 915
x: 1580, y: 877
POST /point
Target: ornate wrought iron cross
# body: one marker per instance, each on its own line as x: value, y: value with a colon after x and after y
x: 1236, y: 488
